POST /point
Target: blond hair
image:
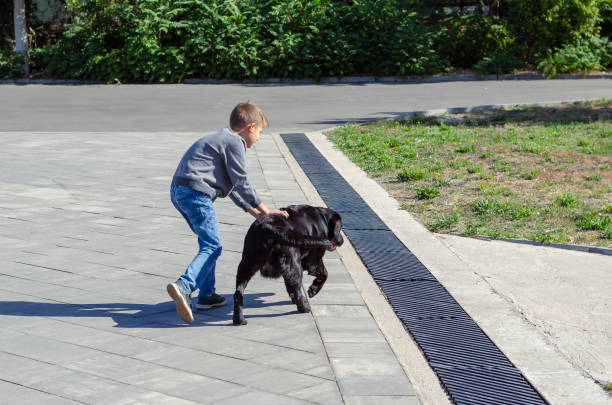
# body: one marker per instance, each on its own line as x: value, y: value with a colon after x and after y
x: 247, y: 113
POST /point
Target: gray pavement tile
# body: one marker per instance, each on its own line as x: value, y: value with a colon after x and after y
x: 243, y: 349
x: 349, y: 330
x: 27, y: 371
x: 336, y: 293
x: 279, y: 381
x: 105, y: 320
x: 146, y: 398
x: 325, y: 392
x: 45, y: 349
x: 379, y: 365
x: 190, y: 386
x: 88, y: 388
x: 32, y: 396
x: 11, y: 392
x: 353, y: 349
x: 360, y: 385
x: 340, y: 311
x: 322, y: 371
x: 208, y: 364
x: 381, y: 400
x: 261, y: 398
x: 109, y: 365
x: 294, y: 360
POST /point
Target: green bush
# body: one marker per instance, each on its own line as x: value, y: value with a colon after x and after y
x: 540, y: 25
x: 499, y: 64
x: 388, y: 37
x: 172, y: 40
x: 151, y: 40
x: 583, y: 55
x: 154, y: 41
x: 10, y: 64
x: 467, y: 39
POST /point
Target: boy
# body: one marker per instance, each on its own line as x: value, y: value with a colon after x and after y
x: 214, y: 166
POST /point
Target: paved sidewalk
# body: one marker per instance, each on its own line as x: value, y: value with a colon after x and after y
x: 89, y: 240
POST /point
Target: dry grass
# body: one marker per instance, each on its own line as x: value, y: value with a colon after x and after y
x: 536, y: 173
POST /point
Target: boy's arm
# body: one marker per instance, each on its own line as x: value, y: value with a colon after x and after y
x: 235, y: 164
x: 261, y: 210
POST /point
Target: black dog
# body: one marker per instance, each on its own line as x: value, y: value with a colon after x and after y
x: 277, y: 246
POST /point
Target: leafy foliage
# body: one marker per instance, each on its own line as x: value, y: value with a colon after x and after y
x: 499, y: 63
x: 582, y: 55
x: 540, y: 25
x: 152, y: 40
x: 173, y: 40
x: 466, y: 39
x: 10, y: 64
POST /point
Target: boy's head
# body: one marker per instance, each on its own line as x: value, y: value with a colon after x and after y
x: 247, y: 120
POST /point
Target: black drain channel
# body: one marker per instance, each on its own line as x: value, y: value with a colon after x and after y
x: 470, y: 367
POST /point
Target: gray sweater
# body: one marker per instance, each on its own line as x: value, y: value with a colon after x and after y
x: 216, y: 165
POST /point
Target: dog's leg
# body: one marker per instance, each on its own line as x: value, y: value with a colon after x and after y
x: 244, y: 274
x: 293, y: 282
x: 320, y: 278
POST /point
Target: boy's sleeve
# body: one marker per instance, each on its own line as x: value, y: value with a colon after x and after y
x: 235, y: 197
x: 235, y: 162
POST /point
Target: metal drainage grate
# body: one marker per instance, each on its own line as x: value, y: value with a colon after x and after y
x: 470, y: 367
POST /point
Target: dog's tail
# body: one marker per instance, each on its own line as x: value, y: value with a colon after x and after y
x: 293, y: 238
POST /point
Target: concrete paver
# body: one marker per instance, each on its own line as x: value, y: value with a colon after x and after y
x: 90, y: 240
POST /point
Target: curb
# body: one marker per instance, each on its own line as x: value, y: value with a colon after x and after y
x: 342, y: 80
x: 50, y: 82
x: 487, y: 107
x: 577, y: 248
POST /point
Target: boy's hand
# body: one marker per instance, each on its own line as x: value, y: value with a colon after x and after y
x: 282, y: 212
x: 262, y: 210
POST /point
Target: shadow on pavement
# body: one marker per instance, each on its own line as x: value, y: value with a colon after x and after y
x: 130, y: 315
x: 490, y: 116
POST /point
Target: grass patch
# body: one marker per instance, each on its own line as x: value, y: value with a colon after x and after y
x: 530, y: 172
x: 426, y: 193
x: 590, y: 220
x: 445, y: 222
x: 566, y: 200
x: 411, y: 174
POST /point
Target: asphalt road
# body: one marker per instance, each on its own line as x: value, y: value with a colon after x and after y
x: 289, y: 107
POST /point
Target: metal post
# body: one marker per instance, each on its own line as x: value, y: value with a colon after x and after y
x: 21, y: 33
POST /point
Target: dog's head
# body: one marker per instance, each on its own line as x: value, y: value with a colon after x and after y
x: 334, y: 226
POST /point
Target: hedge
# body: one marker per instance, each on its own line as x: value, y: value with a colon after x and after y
x: 172, y: 40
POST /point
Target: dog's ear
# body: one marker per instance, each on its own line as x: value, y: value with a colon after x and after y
x: 335, y: 226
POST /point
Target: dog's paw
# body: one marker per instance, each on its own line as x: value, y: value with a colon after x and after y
x: 312, y: 291
x: 304, y: 308
x: 239, y: 322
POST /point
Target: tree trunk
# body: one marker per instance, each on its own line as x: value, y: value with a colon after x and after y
x: 21, y: 32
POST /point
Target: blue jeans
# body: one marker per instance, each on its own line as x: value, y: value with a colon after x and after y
x: 197, y: 209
